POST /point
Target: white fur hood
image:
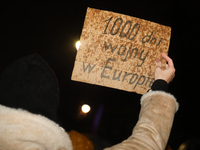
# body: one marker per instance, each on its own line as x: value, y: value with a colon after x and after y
x: 21, y: 130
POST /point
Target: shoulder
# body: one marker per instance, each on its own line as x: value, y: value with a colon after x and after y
x: 25, y: 126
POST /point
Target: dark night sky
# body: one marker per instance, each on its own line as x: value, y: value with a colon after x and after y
x: 51, y: 30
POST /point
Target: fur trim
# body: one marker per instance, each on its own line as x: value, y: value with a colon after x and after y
x: 148, y: 94
x: 20, y: 129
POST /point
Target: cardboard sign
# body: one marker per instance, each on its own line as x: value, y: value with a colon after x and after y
x: 119, y: 51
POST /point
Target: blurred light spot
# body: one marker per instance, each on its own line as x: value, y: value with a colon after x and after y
x: 77, y: 45
x: 85, y: 108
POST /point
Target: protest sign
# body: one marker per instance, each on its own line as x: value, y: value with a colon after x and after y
x: 119, y: 51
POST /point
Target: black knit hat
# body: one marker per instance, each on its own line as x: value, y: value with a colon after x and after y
x: 30, y: 84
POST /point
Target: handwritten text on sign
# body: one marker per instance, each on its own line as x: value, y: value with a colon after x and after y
x: 119, y: 51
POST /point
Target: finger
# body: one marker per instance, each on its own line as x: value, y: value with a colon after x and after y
x: 158, y: 63
x: 168, y: 59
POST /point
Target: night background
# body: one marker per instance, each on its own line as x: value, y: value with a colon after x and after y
x: 51, y: 29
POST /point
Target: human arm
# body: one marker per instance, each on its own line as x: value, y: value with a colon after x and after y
x: 156, y: 116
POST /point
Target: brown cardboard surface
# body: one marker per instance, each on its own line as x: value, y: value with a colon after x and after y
x: 119, y: 51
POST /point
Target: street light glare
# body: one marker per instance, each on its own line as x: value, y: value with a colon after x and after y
x: 85, y: 108
x: 77, y: 45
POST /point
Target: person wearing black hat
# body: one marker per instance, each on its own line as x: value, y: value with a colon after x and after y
x: 29, y: 99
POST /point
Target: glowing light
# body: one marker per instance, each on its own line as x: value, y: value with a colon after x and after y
x: 85, y: 108
x: 77, y: 45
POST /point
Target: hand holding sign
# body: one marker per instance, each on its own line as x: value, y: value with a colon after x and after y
x: 168, y: 73
x: 119, y: 51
